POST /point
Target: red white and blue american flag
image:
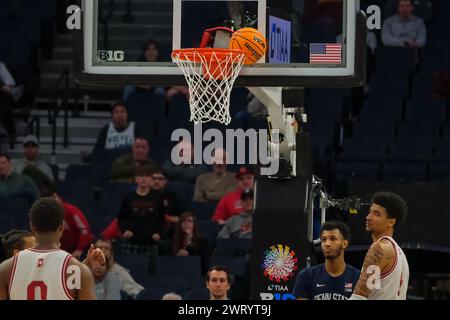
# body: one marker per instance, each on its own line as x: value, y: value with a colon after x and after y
x: 325, y: 53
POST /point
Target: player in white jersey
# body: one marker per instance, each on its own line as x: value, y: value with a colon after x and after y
x: 45, y: 272
x: 385, y: 272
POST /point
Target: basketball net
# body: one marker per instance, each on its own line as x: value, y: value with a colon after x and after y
x: 210, y: 74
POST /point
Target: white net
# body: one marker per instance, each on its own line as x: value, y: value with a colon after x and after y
x: 210, y: 74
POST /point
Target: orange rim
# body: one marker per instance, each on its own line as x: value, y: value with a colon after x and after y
x: 192, y: 54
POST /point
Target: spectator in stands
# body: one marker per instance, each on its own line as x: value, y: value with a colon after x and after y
x: 122, y: 169
x: 141, y: 219
x: 212, y: 186
x: 13, y: 184
x: 150, y: 53
x: 404, y: 29
x: 107, y: 286
x: 181, y: 167
x: 14, y: 241
x: 170, y: 202
x: 230, y: 204
x: 77, y: 234
x: 119, y: 133
x: 10, y: 93
x: 31, y: 157
x: 240, y: 225
x: 126, y: 282
x: 218, y: 282
x: 188, y: 242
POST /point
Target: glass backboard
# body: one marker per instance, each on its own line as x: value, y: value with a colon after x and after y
x: 309, y: 42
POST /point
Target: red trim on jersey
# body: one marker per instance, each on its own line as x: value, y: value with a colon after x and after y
x: 64, y: 276
x: 384, y: 275
x: 13, y: 271
x: 43, y: 250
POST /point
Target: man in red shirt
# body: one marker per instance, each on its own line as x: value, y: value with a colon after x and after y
x: 77, y: 235
x: 230, y: 204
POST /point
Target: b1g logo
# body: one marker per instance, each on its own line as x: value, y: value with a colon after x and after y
x: 279, y: 263
x: 110, y: 55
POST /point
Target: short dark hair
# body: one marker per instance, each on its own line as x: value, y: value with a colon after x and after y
x: 341, y: 226
x: 219, y: 268
x: 47, y: 215
x: 5, y: 155
x: 13, y: 240
x: 144, y: 170
x: 395, y: 205
x: 117, y: 104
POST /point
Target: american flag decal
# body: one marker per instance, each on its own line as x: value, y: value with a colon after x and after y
x: 325, y: 53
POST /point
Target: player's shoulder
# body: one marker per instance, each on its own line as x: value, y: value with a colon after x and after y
x: 352, y: 270
x: 312, y: 271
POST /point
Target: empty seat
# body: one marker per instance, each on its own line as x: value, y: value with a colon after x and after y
x: 439, y: 171
x: 77, y: 172
x: 183, y: 189
x: 189, y: 267
x: 400, y: 60
x: 236, y: 265
x: 172, y: 283
x: 362, y: 149
x: 204, y: 210
x: 410, y: 149
x: 153, y: 293
x: 404, y: 171
x: 233, y: 247
x: 99, y: 223
x: 18, y: 209
x: 209, y: 229
x: 137, y: 264
x: 358, y: 169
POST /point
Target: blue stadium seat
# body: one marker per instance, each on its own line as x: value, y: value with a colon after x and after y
x: 209, y: 229
x: 183, y: 189
x: 236, y: 265
x: 390, y: 84
x: 362, y: 149
x: 233, y: 247
x: 99, y: 223
x: 395, y: 59
x: 415, y: 130
x: 172, y: 283
x: 153, y: 293
x: 439, y: 170
x: 324, y: 108
x: 78, y: 192
x: 137, y: 264
x: 358, y: 169
x: 204, y: 210
x: 146, y: 108
x: 200, y: 293
x: 404, y: 171
x: 17, y: 208
x: 189, y: 267
x: 410, y: 149
x: 77, y: 172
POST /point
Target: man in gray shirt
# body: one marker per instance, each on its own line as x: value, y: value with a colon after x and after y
x: 404, y: 29
x: 31, y: 157
x: 240, y: 226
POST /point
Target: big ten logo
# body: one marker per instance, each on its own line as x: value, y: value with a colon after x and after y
x: 73, y: 277
x: 374, y: 279
x: 373, y: 17
x: 110, y: 55
x: 277, y: 295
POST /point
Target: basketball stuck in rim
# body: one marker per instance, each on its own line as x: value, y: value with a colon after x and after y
x: 251, y: 41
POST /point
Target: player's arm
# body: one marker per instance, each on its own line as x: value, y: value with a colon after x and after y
x: 380, y: 255
x: 5, y: 273
x: 87, y: 283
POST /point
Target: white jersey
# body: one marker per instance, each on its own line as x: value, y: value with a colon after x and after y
x: 116, y: 139
x: 39, y: 275
x: 394, y: 282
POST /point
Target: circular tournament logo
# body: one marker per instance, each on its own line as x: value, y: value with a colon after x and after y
x: 279, y: 263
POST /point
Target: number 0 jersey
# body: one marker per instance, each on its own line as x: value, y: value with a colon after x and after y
x: 39, y: 275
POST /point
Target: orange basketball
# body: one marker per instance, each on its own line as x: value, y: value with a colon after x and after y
x: 251, y: 41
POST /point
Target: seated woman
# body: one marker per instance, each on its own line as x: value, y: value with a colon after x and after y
x: 126, y: 282
x: 106, y: 283
x: 188, y: 242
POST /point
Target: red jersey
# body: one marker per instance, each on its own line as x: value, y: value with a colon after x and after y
x: 230, y: 205
x: 77, y: 234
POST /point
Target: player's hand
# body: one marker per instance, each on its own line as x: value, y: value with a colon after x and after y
x: 127, y: 234
x: 156, y: 237
x: 95, y: 255
x: 77, y: 254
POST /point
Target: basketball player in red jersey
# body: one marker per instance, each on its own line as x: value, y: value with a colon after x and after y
x: 385, y: 272
x: 46, y: 272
